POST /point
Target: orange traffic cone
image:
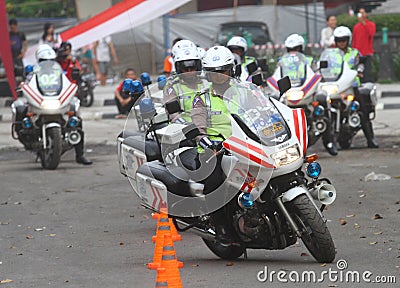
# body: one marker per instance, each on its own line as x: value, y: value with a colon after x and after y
x: 170, y: 263
x: 163, y: 227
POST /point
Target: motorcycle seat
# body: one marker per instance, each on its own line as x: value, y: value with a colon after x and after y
x: 174, y: 178
x: 128, y: 133
x: 149, y: 147
x: 366, y: 88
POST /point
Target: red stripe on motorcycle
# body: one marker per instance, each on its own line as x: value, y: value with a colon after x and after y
x: 311, y: 83
x: 155, y: 197
x: 304, y: 125
x: 69, y: 94
x: 32, y: 93
x: 65, y: 93
x: 162, y: 203
x: 296, y: 124
x: 273, y: 82
x: 247, y: 155
x: 247, y: 145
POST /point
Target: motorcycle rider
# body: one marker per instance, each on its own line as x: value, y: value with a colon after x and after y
x: 238, y: 46
x: 187, y: 61
x: 211, y: 115
x: 68, y: 64
x: 342, y: 36
x: 71, y: 66
x: 295, y: 43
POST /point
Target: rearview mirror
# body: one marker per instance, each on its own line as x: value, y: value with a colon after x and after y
x: 173, y: 107
x: 257, y: 79
x: 251, y: 67
x: 191, y: 131
x: 284, y: 85
x: 323, y: 64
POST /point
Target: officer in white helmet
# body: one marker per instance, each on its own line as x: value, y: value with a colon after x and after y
x: 184, y: 85
x: 295, y: 43
x: 212, y: 117
x: 342, y: 36
x: 238, y: 46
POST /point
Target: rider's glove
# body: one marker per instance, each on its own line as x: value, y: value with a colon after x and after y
x: 205, y: 143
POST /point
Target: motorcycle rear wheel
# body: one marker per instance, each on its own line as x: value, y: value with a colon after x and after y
x: 224, y: 252
x: 315, y: 235
x: 50, y: 157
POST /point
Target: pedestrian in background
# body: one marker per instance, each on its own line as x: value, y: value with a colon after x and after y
x: 327, y: 40
x: 169, y: 66
x: 102, y: 50
x: 50, y: 37
x: 19, y: 45
x: 124, y: 102
x: 363, y: 41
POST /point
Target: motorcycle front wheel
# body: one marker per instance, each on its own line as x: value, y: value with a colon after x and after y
x: 315, y: 235
x: 87, y: 100
x: 50, y: 157
x: 224, y: 252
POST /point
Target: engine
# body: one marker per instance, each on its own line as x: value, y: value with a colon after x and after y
x: 263, y: 227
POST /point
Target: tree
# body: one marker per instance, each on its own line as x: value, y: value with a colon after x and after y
x: 40, y: 8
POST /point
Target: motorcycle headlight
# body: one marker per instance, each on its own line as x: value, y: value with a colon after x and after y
x: 330, y: 89
x: 286, y: 156
x: 50, y: 104
x: 294, y: 95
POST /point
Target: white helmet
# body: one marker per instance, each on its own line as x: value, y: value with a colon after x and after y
x: 218, y: 58
x: 293, y: 41
x: 237, y: 42
x: 186, y: 55
x: 45, y: 52
x: 201, y: 52
x: 343, y: 33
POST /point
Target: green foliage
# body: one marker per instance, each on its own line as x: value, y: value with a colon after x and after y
x: 396, y: 66
x: 391, y: 21
x: 40, y: 8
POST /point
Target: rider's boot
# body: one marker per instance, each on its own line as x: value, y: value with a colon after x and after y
x: 369, y: 134
x: 79, y: 152
x: 329, y: 142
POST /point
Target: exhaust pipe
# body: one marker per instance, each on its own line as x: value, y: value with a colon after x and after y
x: 206, y: 234
x: 325, y: 193
x: 74, y: 137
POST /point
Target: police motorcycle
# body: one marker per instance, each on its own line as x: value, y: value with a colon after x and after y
x: 303, y: 93
x: 264, y: 190
x: 45, y: 120
x: 86, y: 82
x: 337, y: 84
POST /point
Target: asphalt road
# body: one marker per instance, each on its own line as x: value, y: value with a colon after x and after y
x: 84, y: 227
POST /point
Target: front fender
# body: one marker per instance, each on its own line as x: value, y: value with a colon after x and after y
x: 51, y: 125
x: 293, y: 193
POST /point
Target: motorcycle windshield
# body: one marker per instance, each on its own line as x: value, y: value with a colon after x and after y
x: 49, y: 78
x: 216, y: 97
x: 334, y: 57
x: 294, y: 65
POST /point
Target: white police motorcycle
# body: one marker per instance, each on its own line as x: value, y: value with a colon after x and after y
x: 46, y: 119
x: 264, y: 192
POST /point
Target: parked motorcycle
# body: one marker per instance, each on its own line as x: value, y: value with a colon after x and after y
x: 303, y: 94
x: 86, y: 85
x: 337, y: 84
x: 46, y: 120
x: 86, y: 82
x: 266, y: 196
